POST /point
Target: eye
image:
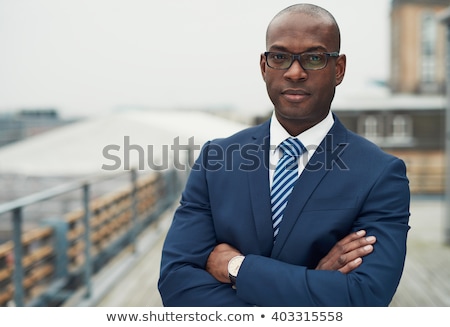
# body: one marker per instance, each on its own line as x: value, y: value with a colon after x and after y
x: 279, y: 56
x: 314, y: 58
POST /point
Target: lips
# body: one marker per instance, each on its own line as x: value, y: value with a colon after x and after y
x: 295, y: 95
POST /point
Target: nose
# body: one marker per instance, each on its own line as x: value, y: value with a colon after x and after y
x: 296, y: 72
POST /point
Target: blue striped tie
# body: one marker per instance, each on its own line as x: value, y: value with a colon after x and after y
x: 286, y: 173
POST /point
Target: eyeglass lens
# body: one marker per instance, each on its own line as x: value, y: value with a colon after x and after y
x: 312, y: 61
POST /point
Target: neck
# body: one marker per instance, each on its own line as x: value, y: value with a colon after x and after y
x: 297, y: 126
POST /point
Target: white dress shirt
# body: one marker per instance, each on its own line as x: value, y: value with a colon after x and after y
x: 311, y: 138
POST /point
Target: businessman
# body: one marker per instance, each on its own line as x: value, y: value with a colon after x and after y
x: 297, y: 211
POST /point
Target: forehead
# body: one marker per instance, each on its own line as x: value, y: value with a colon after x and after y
x: 298, y: 32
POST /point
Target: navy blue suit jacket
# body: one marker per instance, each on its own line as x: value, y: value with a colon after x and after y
x: 349, y: 184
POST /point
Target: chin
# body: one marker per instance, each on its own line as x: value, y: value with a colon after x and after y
x: 293, y: 113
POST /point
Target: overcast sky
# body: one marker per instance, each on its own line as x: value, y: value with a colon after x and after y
x: 90, y: 57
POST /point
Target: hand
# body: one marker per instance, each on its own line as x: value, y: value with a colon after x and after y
x: 217, y: 264
x: 347, y: 254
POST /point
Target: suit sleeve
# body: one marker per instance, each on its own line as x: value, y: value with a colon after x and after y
x: 191, y: 238
x: 385, y: 214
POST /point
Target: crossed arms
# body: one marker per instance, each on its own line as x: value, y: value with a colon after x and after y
x: 345, y: 256
x: 358, y: 270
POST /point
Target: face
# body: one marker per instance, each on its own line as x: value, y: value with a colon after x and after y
x: 302, y: 98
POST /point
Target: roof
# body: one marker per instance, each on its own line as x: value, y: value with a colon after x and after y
x: 96, y: 145
x: 389, y: 102
x: 422, y: 2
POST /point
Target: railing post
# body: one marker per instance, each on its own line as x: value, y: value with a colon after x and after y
x: 134, y: 210
x: 87, y: 240
x: 60, y: 244
x: 169, y: 180
x: 18, y: 256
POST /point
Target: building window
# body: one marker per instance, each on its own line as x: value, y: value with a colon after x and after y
x: 428, y: 47
x: 399, y: 126
x: 371, y: 128
x: 401, y: 132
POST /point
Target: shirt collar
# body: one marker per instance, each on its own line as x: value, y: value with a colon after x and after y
x: 311, y: 138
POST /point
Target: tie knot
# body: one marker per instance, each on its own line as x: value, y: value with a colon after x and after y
x: 292, y: 147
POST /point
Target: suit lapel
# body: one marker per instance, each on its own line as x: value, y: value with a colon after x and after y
x: 258, y: 180
x: 317, y: 167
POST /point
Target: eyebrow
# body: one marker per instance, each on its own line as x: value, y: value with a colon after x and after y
x: 284, y: 49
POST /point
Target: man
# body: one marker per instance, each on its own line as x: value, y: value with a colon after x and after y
x: 235, y: 241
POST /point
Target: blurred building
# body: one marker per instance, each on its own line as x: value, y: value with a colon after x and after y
x: 445, y: 20
x: 408, y: 120
x: 417, y: 47
x: 111, y: 144
x: 25, y: 123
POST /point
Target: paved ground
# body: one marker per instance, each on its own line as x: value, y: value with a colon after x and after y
x: 426, y: 278
x: 425, y: 282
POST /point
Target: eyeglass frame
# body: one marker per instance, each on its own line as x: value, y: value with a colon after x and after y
x: 297, y: 57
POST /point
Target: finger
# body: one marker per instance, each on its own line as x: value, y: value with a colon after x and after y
x: 359, y: 243
x: 353, y: 236
x: 346, y: 250
x: 352, y: 265
x: 351, y: 256
x: 340, y: 256
x: 341, y: 246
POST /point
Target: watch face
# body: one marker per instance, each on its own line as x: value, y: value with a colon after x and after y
x: 234, y: 265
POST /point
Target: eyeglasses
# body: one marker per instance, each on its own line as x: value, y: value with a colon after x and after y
x: 308, y: 60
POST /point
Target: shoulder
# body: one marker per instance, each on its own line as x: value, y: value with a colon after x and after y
x: 253, y: 136
x: 359, y: 155
x: 367, y: 148
x: 359, y: 145
x: 245, y: 136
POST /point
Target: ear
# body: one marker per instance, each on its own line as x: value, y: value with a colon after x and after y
x: 341, y: 63
x: 262, y: 65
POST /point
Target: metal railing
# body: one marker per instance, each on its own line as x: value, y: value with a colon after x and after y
x: 44, y: 266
